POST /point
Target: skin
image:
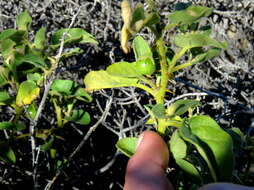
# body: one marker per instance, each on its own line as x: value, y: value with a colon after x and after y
x: 145, y: 170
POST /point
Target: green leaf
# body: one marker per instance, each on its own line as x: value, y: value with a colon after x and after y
x: 123, y: 69
x: 80, y: 117
x: 32, y: 110
x: 178, y: 149
x: 219, y: 142
x: 27, y: 92
x: 74, y: 51
x: 4, y: 98
x: 97, y: 80
x: 24, y: 21
x: 46, y: 146
x: 127, y: 145
x: 189, y: 15
x: 63, y: 87
x: 152, y: 19
x: 141, y: 49
x: 82, y: 95
x: 159, y: 111
x: 180, y: 107
x: 36, y: 77
x: 177, y: 146
x: 74, y: 35
x: 186, y: 134
x: 12, y: 126
x: 15, y: 35
x: 137, y: 16
x: 189, y: 168
x: 6, y: 153
x: 40, y: 38
x: 6, y: 125
x: 191, y: 40
x: 7, y: 47
x: 35, y: 60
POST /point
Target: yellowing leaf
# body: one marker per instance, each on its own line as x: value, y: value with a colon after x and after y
x: 28, y: 91
x: 97, y: 80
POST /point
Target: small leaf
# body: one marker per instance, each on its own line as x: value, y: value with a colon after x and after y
x: 74, y: 51
x: 40, y: 38
x: 36, y: 77
x: 80, y: 117
x: 6, y: 125
x: 32, y: 110
x: 6, y: 153
x: 82, y: 95
x: 159, y: 111
x: 191, y: 40
x: 189, y: 168
x: 24, y: 21
x: 127, y: 145
x: 123, y: 69
x: 5, y: 98
x: 152, y: 19
x: 7, y: 47
x: 189, y: 15
x: 46, y: 146
x: 97, y: 80
x: 27, y: 92
x: 138, y: 14
x: 141, y: 49
x: 63, y: 87
x: 74, y: 35
x: 179, y: 107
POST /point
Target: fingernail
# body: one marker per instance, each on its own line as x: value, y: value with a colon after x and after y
x: 139, y: 140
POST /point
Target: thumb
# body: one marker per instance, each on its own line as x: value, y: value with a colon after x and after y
x: 145, y: 170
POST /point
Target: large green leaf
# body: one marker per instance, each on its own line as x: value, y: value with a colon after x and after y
x: 189, y: 15
x: 97, y: 80
x: 191, y: 40
x: 79, y: 116
x: 219, y: 142
x: 73, y: 35
x: 63, y: 87
x: 141, y: 49
x: 189, y: 168
x: 40, y: 38
x: 27, y: 92
x: 127, y: 145
x: 179, y: 107
x: 186, y: 134
x: 6, y: 153
x: 36, y: 77
x: 23, y: 21
x: 71, y: 52
x: 123, y: 69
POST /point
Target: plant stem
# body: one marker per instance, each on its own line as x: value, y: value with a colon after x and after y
x: 145, y: 88
x: 176, y: 57
x: 159, y: 97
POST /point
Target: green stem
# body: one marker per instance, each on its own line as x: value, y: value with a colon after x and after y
x: 176, y: 57
x: 58, y: 114
x: 145, y: 88
x: 160, y: 96
x: 164, y: 74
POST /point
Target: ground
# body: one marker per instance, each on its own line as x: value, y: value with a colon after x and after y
x: 224, y: 85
